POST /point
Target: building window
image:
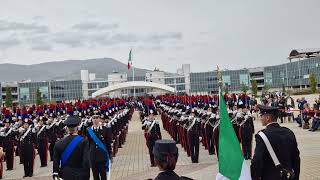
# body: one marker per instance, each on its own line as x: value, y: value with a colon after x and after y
x: 24, y: 94
x: 44, y: 92
x: 244, y: 79
x: 226, y: 80
x: 169, y: 81
x: 268, y: 78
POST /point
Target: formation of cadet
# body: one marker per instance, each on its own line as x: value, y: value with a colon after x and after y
x: 34, y: 130
x: 150, y: 126
x: 194, y: 120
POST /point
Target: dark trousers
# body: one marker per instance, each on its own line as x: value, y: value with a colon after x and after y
x: 43, y: 151
x: 194, y: 147
x: 99, y: 171
x: 28, y: 159
x: 150, y: 144
x: 187, y: 145
x: 51, y: 146
x: 315, y: 124
x: 9, y: 156
x: 246, y: 147
x: 210, y: 142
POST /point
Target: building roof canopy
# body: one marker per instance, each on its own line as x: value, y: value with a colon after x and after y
x: 132, y: 84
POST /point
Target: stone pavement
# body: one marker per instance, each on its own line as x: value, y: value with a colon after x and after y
x: 132, y: 161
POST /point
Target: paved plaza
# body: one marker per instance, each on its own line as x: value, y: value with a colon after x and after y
x: 132, y: 161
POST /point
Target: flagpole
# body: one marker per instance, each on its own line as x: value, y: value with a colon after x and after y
x: 219, y: 83
x: 130, y: 58
x: 134, y: 89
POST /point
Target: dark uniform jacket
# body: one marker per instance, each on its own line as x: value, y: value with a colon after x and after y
x: 284, y: 143
x: 170, y: 175
x: 77, y: 166
x: 96, y: 154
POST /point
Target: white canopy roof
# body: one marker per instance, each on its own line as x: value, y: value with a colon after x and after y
x: 131, y: 84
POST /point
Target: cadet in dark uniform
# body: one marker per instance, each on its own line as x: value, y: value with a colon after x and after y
x: 193, y: 137
x: 246, y: 131
x: 97, y: 156
x: 74, y: 166
x: 8, y: 144
x: 27, y: 141
x: 153, y: 133
x: 166, y: 157
x: 42, y: 142
x: 284, y: 144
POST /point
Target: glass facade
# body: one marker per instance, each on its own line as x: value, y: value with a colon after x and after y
x: 65, y: 90
x: 244, y: 79
x: 169, y: 81
x: 292, y: 74
x: 203, y: 82
x: 207, y: 82
x: 51, y: 90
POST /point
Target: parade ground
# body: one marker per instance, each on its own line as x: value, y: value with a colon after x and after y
x: 132, y: 161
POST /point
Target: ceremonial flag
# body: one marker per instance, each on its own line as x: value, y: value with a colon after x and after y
x: 130, y: 59
x: 232, y: 165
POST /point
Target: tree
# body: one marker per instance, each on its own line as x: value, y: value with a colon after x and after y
x: 266, y: 88
x: 226, y: 89
x: 9, y: 100
x: 38, y: 97
x: 254, y: 87
x: 313, y: 82
x: 244, y: 88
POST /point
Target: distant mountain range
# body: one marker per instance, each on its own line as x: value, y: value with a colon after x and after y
x: 67, y: 70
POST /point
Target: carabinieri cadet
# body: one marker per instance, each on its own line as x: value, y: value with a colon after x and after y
x: 152, y: 133
x: 70, y: 156
x: 193, y: 137
x: 27, y: 141
x: 42, y: 141
x: 100, y: 139
x: 8, y: 135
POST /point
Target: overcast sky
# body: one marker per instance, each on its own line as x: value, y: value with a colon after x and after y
x: 162, y: 33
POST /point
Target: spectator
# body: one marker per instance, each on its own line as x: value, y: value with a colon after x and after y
x: 301, y: 103
x: 306, y: 113
x: 316, y: 120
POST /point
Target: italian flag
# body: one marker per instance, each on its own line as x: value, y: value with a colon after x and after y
x: 130, y: 59
x: 232, y: 165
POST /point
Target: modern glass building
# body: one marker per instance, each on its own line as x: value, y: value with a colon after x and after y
x: 294, y: 74
x: 50, y: 90
x: 93, y: 86
x: 207, y: 82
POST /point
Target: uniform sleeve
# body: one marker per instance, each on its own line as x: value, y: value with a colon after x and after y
x: 56, y: 159
x: 257, y: 161
x: 296, y: 161
x: 252, y: 124
x: 108, y: 139
x: 159, y: 131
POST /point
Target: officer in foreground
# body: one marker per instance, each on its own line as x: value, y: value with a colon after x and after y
x: 276, y: 155
x: 166, y: 157
x: 70, y: 154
